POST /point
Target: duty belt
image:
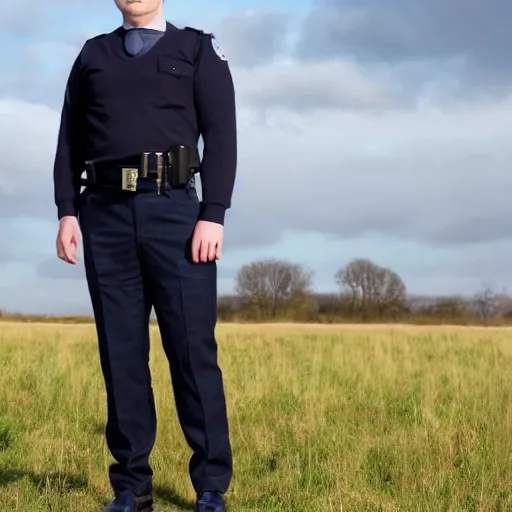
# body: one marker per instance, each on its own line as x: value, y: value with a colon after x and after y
x: 173, y: 168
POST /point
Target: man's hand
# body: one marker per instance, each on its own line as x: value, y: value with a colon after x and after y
x: 207, y: 241
x: 68, y: 239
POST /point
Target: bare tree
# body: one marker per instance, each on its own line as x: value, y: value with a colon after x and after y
x: 503, y: 305
x: 373, y: 291
x: 486, y: 303
x: 272, y: 286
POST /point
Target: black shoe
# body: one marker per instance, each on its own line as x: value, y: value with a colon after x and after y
x: 126, y: 501
x: 210, y: 502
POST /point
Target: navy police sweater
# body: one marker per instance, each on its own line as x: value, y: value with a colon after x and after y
x: 116, y: 105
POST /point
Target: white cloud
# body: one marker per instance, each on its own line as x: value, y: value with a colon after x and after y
x: 436, y: 175
x: 254, y: 37
x: 27, y: 146
x: 298, y: 86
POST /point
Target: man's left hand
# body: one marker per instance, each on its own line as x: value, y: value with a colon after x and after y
x: 207, y: 241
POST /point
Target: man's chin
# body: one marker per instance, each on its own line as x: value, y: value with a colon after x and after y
x: 136, y: 9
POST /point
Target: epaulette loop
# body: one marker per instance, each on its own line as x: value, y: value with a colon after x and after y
x: 199, y: 31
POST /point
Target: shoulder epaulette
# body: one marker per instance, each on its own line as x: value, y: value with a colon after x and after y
x: 199, y: 31
x: 200, y: 39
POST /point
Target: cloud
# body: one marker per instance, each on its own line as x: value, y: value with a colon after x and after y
x: 56, y: 269
x: 29, y: 134
x: 14, y: 17
x: 439, y: 177
x: 254, y: 38
x: 472, y: 35
x: 318, y: 85
x: 38, y: 72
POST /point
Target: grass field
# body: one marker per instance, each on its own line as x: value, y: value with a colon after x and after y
x: 323, y: 418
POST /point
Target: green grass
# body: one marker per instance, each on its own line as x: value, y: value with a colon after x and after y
x: 323, y: 418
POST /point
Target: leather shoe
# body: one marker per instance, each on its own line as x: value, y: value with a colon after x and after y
x: 126, y: 501
x: 210, y: 502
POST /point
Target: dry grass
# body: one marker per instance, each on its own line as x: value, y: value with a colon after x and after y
x: 323, y: 418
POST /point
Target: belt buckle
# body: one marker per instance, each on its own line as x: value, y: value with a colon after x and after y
x: 129, y: 177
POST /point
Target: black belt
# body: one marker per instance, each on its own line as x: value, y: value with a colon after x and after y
x: 173, y: 168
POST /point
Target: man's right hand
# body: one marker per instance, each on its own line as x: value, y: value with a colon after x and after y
x: 68, y: 239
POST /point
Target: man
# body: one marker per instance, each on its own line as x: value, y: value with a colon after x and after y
x: 137, y: 101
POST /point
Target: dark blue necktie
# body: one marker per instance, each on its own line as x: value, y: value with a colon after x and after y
x: 140, y: 40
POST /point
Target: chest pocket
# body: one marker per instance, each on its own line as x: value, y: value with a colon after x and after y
x: 176, y: 79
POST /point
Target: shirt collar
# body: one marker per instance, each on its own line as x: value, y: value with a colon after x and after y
x: 158, y: 23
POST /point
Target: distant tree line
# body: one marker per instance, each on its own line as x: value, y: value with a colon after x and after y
x: 273, y: 290
x: 277, y: 290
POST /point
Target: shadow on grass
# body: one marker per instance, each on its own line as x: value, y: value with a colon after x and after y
x: 62, y: 482
x: 57, y: 481
x: 98, y: 428
x: 168, y: 496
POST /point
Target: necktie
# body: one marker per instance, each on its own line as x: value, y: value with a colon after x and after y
x: 139, y: 40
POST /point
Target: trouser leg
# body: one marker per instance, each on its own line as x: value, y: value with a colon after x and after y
x: 121, y: 309
x: 184, y: 296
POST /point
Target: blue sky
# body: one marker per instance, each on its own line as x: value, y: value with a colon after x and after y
x: 386, y: 135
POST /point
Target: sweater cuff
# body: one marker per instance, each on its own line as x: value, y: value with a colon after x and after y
x: 66, y: 208
x: 212, y: 212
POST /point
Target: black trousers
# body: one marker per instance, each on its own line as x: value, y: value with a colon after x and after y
x: 137, y: 256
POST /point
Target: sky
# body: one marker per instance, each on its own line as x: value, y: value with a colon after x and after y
x: 367, y: 129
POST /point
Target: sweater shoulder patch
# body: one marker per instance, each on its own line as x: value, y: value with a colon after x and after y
x: 213, y: 41
x: 216, y: 48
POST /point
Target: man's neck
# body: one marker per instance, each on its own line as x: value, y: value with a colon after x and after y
x: 156, y: 21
